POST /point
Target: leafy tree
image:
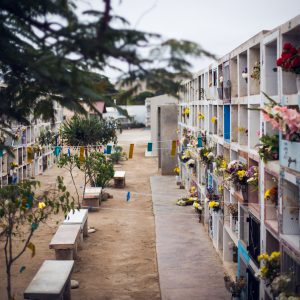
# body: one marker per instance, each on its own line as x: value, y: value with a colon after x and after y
x: 89, y: 131
x: 21, y: 208
x: 102, y: 169
x: 49, y: 54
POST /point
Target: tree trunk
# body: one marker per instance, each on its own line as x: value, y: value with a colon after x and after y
x: 89, y: 173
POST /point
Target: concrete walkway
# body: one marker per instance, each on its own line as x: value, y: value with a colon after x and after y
x: 189, y: 268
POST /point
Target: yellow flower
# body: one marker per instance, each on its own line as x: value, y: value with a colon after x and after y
x: 205, y: 153
x: 193, y: 189
x: 213, y: 119
x: 186, y: 111
x: 223, y: 164
x: 263, y: 256
x: 42, y: 205
x: 241, y: 174
x: 200, y: 116
x: 212, y: 204
x: 196, y: 205
x: 267, y: 194
x: 264, y: 270
x: 176, y: 170
x: 274, y: 255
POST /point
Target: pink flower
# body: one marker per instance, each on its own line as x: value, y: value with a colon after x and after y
x: 267, y: 118
x: 258, y: 132
x: 274, y: 123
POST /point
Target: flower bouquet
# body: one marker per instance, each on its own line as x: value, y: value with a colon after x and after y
x: 268, y: 148
x: 221, y: 165
x: 286, y: 120
x: 237, y: 174
x: 176, y: 170
x: 186, y: 112
x: 252, y: 175
x: 256, y: 72
x: 186, y: 155
x: 206, y: 155
x: 233, y: 209
x: 236, y: 286
x: 289, y: 60
x: 270, y: 268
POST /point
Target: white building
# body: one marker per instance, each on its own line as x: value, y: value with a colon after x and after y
x: 217, y: 104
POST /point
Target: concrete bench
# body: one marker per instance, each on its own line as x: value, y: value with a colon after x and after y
x: 119, y: 179
x: 92, y: 197
x: 78, y: 217
x: 52, y: 281
x: 65, y: 242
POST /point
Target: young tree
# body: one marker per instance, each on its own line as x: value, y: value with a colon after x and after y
x: 22, y: 209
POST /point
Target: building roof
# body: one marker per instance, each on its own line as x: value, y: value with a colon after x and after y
x: 100, y: 106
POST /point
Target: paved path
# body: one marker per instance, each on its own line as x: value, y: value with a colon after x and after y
x: 189, y: 268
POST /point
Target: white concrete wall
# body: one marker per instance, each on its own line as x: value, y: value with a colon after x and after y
x: 155, y: 102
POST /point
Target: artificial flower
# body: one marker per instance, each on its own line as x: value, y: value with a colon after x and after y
x: 42, y: 205
x: 213, y: 119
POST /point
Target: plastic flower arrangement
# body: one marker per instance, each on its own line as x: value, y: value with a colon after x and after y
x: 268, y: 148
x: 186, y: 112
x: 206, y: 155
x: 190, y: 163
x: 200, y: 116
x: 252, y: 174
x: 221, y: 165
x: 186, y: 155
x: 176, y: 170
x: 233, y: 209
x: 214, y: 205
x: 214, y: 119
x: 211, y: 195
x: 14, y: 165
x: 256, y: 72
x: 270, y: 267
x: 286, y: 120
x: 237, y: 171
x: 271, y: 195
x: 235, y: 287
x: 289, y: 60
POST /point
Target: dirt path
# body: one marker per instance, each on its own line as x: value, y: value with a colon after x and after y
x: 118, y: 261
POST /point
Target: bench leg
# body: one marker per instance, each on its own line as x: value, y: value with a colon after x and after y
x: 67, y: 291
x: 85, y: 229
x: 64, y: 254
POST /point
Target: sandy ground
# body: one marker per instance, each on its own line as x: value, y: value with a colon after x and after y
x: 118, y: 261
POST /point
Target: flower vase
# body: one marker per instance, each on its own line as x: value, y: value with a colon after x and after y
x: 244, y: 192
x: 298, y: 83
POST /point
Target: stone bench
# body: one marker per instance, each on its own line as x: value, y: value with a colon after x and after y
x: 119, y: 179
x: 92, y: 197
x: 52, y: 281
x: 65, y: 242
x: 78, y: 217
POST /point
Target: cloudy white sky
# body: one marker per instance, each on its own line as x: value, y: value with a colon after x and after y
x: 217, y: 25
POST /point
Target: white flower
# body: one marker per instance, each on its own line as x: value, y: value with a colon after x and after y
x: 210, y: 155
x: 221, y: 79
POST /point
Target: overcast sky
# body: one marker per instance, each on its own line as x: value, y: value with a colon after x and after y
x: 217, y: 25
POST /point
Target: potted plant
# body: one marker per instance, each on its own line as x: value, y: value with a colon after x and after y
x: 289, y: 61
x: 268, y: 148
x: 287, y: 121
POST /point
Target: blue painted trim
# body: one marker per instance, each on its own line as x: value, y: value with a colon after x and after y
x: 242, y: 253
